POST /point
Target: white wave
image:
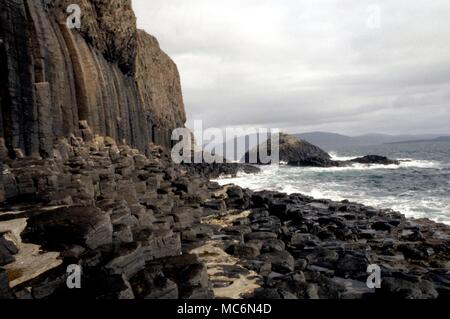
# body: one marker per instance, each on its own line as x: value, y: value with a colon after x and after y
x: 353, y: 167
x: 290, y: 189
x: 412, y: 163
x: 325, y: 194
x: 404, y: 162
x: 305, y: 181
x: 242, y: 174
x: 335, y: 157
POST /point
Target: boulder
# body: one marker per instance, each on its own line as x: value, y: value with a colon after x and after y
x: 190, y: 275
x: 235, y: 192
x: 127, y: 260
x: 248, y: 250
x: 404, y: 289
x: 85, y: 226
x: 159, y: 243
x: 352, y: 264
x: 281, y: 261
x: 152, y: 284
x: 7, y: 249
x: 272, y: 245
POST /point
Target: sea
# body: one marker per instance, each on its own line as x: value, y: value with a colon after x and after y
x: 418, y: 188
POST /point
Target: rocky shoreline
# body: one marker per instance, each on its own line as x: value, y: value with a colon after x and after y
x: 140, y: 227
x: 296, y: 152
x: 84, y: 216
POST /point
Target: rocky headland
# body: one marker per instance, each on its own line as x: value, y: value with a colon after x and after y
x: 86, y: 180
x: 296, y: 152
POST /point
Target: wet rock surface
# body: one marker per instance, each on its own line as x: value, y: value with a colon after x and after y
x: 375, y: 159
x: 141, y: 227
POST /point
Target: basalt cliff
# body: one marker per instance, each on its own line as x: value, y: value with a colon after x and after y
x: 106, y: 73
x: 91, y: 205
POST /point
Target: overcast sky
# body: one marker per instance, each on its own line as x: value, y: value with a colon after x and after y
x: 346, y: 66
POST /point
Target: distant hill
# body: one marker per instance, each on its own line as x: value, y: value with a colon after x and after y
x: 327, y: 140
x: 332, y: 141
x: 438, y: 139
x: 242, y: 145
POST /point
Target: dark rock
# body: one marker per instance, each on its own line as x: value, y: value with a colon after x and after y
x: 411, y: 251
x: 152, y: 284
x: 272, y: 294
x: 240, y: 230
x: 354, y: 289
x: 404, y: 289
x: 127, y: 259
x: 263, y: 268
x: 326, y: 288
x: 138, y: 100
x: 322, y: 270
x: 183, y: 220
x: 122, y: 234
x: 217, y: 205
x: 116, y: 287
x: 271, y: 245
x: 293, y: 151
x: 190, y: 275
x: 216, y: 170
x: 282, y: 261
x: 248, y: 250
x: 323, y: 257
x: 375, y: 159
x: 85, y: 226
x: 260, y: 236
x: 383, y: 226
x: 303, y: 239
x: 301, y: 264
x: 353, y: 265
x: 235, y: 192
x: 159, y: 244
x: 5, y: 291
x: 7, y: 250
x: 184, y: 185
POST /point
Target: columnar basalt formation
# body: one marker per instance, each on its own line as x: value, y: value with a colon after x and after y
x: 104, y: 197
x: 128, y: 220
x: 107, y: 73
x: 141, y: 227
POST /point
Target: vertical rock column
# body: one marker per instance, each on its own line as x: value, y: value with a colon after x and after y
x: 107, y: 73
x: 16, y: 78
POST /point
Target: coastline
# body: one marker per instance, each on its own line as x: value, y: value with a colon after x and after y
x: 92, y: 207
x: 356, y: 184
x: 159, y: 231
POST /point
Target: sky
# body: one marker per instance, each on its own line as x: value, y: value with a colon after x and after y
x: 345, y: 66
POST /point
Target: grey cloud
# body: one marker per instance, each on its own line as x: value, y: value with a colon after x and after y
x: 309, y: 65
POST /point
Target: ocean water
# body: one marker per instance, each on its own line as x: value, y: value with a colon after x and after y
x: 418, y: 188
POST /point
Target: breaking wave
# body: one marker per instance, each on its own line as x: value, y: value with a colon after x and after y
x: 418, y: 188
